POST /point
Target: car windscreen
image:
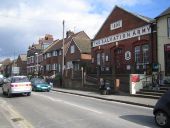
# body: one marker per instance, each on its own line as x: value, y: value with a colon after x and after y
x: 19, y: 79
x: 40, y: 81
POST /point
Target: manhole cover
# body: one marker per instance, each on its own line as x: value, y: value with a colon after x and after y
x: 16, y: 119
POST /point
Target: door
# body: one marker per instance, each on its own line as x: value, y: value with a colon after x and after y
x: 119, y: 67
x: 167, y: 60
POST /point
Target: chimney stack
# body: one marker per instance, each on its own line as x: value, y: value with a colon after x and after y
x: 69, y: 33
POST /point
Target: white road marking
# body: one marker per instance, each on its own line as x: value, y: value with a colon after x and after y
x: 69, y: 103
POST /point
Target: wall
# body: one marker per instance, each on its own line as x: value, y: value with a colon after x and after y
x: 162, y: 38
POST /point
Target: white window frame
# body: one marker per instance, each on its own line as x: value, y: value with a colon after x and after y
x: 145, y: 52
x: 137, y: 54
x: 48, y: 54
x: 72, y: 49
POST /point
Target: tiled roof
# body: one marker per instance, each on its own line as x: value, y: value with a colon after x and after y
x: 37, y: 46
x: 83, y: 44
x: 23, y: 57
x: 166, y: 12
x: 51, y: 47
x: 59, y: 44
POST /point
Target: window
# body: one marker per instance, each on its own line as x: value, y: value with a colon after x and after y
x: 168, y: 27
x: 60, y: 52
x: 137, y: 54
x: 45, y: 56
x: 103, y: 58
x: 48, y: 55
x: 69, y: 65
x: 72, y: 49
x: 167, y: 59
x: 47, y: 67
x: 54, y: 53
x: 53, y: 66
x: 107, y: 57
x: 59, y: 67
x: 142, y: 54
x: 98, y: 58
x: 145, y: 50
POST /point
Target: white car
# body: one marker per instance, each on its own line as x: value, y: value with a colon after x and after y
x: 17, y: 85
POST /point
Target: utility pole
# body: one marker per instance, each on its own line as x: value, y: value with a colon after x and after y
x: 63, y: 54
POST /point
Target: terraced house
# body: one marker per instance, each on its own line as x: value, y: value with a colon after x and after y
x: 77, y: 52
x: 35, y: 55
x: 163, y: 39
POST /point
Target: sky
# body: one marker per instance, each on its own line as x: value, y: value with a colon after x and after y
x: 23, y: 22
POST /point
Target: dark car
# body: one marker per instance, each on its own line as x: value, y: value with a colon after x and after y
x: 39, y: 84
x: 162, y: 111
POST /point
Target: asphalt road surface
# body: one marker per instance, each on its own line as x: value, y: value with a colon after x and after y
x: 61, y: 110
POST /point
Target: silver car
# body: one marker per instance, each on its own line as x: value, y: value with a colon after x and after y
x: 17, y: 85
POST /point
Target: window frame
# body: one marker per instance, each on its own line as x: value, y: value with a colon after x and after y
x: 168, y: 27
x: 72, y: 49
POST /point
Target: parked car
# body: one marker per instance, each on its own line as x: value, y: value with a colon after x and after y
x: 17, y: 85
x: 1, y: 79
x: 39, y: 84
x: 162, y: 111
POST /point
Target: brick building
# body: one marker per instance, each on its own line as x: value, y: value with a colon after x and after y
x: 22, y: 64
x: 35, y: 55
x: 125, y: 43
x: 79, y: 43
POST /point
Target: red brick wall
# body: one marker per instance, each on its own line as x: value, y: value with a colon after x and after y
x: 129, y: 22
x: 72, y: 56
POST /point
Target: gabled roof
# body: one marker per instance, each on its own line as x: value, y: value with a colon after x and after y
x: 51, y: 47
x: 23, y: 57
x: 59, y: 44
x: 144, y: 18
x: 83, y: 44
x: 166, y: 12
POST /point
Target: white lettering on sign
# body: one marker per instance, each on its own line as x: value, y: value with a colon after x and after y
x: 115, y: 25
x: 123, y: 36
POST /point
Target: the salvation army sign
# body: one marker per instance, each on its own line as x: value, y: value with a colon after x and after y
x: 127, y: 55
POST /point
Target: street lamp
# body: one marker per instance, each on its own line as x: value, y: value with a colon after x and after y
x: 36, y: 54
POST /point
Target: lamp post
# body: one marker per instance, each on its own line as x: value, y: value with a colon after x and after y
x: 63, y: 54
x: 36, y: 54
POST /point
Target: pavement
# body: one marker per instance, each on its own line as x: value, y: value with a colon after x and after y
x: 122, y: 98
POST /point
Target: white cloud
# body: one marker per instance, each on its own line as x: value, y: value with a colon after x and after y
x: 28, y: 20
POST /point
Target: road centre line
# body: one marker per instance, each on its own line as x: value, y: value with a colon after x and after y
x: 69, y: 103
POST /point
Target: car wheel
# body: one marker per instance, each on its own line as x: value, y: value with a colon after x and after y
x: 9, y: 94
x: 161, y: 119
x: 29, y: 94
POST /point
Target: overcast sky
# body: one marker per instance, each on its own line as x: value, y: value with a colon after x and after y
x: 23, y: 22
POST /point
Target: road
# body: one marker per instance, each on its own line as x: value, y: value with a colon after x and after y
x: 60, y: 110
